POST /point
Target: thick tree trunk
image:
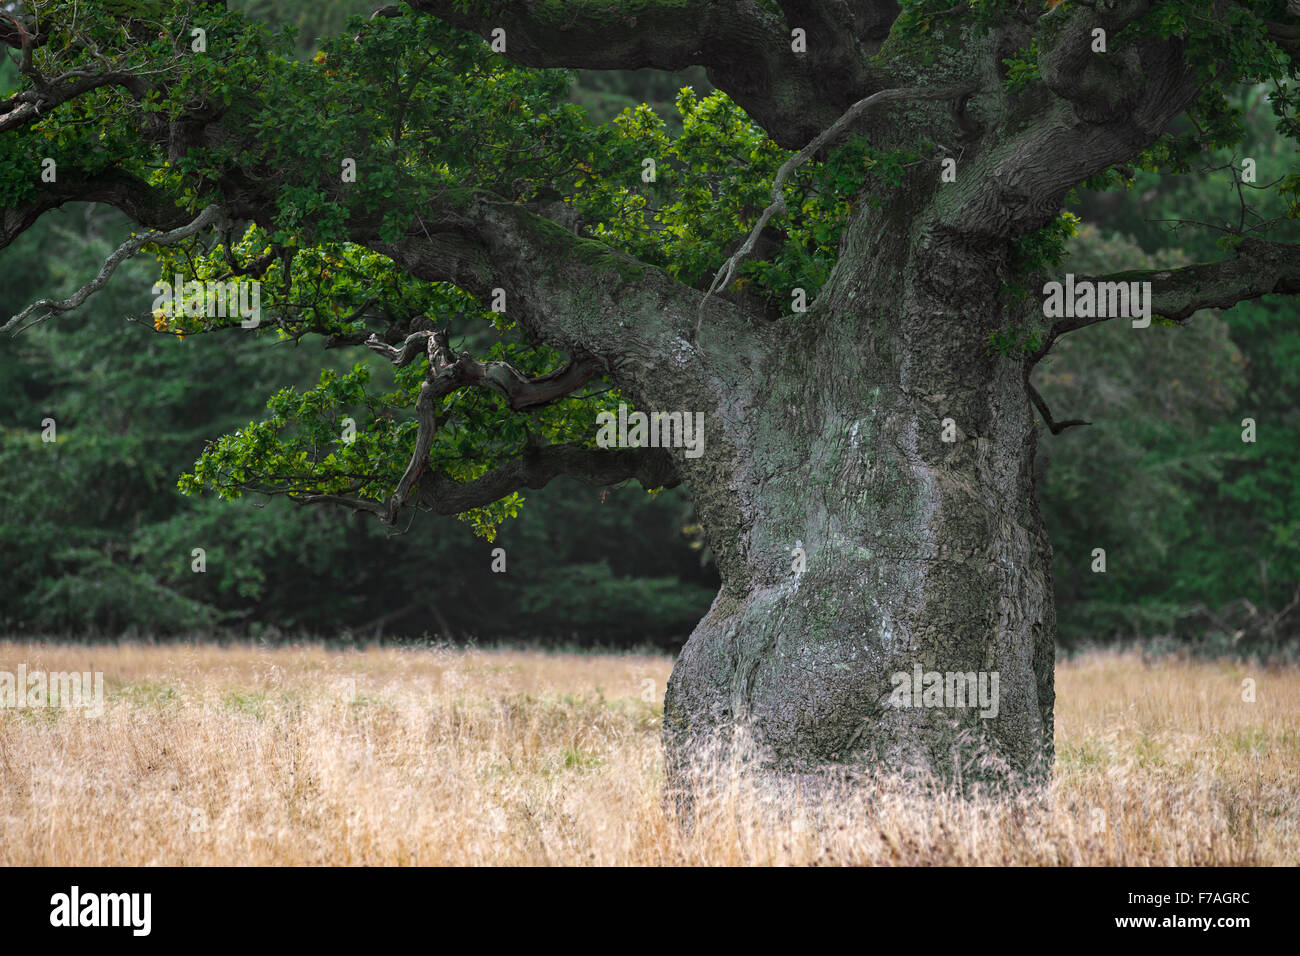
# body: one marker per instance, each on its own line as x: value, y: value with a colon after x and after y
x: 921, y: 553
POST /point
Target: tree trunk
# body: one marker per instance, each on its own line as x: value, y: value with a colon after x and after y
x: 921, y: 553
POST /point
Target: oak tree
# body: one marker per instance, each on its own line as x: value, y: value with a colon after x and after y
x: 842, y: 262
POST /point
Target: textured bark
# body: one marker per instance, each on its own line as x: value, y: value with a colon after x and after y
x: 919, y: 551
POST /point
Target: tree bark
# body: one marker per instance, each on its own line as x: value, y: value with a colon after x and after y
x: 920, y: 552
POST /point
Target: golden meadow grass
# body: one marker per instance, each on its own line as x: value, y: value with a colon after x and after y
x: 384, y: 756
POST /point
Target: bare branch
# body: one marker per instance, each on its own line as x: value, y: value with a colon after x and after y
x: 210, y: 215
x: 1054, y: 426
x: 402, y: 356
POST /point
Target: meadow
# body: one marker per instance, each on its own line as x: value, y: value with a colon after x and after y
x: 425, y: 756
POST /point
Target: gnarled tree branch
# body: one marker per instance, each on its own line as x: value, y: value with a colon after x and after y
x: 1101, y: 86
x: 1259, y: 268
x: 25, y: 106
x: 449, y: 371
x: 745, y: 46
x: 143, y: 203
x: 210, y: 215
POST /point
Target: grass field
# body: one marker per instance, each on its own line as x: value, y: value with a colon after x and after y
x: 209, y: 755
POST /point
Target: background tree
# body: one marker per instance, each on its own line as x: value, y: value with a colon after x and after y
x: 882, y: 438
x: 1213, y: 518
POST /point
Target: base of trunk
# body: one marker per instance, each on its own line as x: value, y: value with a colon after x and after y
x: 896, y: 614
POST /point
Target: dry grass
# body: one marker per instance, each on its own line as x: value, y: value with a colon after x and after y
x: 211, y: 755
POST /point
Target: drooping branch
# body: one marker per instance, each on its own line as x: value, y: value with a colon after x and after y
x: 210, y: 215
x: 564, y: 290
x: 535, y: 468
x: 141, y: 202
x: 610, y: 312
x: 1052, y: 424
x: 575, y: 294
